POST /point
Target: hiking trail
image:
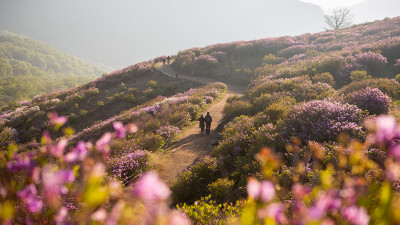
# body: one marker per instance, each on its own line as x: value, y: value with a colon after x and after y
x: 191, y: 144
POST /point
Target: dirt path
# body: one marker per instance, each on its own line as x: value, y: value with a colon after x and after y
x: 192, y: 145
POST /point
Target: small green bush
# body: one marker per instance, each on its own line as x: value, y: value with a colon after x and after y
x: 207, y: 211
x: 83, y: 112
x: 100, y: 103
x: 359, y: 75
x: 152, y: 84
x: 221, y: 189
x: 151, y: 142
x: 193, y: 183
x: 324, y: 78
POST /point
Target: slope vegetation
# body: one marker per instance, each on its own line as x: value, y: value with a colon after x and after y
x: 29, y: 68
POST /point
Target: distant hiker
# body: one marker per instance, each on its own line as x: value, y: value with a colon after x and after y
x: 163, y: 61
x: 176, y: 75
x: 201, y: 123
x: 208, y: 120
x: 168, y: 59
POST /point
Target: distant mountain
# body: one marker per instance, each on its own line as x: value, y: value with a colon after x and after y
x: 29, y: 68
x: 119, y: 33
x: 371, y: 10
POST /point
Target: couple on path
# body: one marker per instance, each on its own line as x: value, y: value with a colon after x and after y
x: 168, y: 60
x: 205, y: 121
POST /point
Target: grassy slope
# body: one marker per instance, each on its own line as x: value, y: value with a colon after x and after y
x: 29, y: 67
x: 97, y: 101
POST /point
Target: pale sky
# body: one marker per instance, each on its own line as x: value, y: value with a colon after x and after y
x: 119, y: 33
x: 331, y: 4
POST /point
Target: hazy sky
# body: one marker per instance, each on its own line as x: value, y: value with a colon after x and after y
x: 330, y: 4
x: 119, y: 33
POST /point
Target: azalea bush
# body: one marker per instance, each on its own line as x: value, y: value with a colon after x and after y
x: 322, y: 121
x: 372, y: 100
x: 373, y: 61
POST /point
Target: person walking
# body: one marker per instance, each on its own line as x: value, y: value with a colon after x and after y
x: 202, y: 123
x: 208, y: 121
x: 163, y: 61
x: 168, y: 59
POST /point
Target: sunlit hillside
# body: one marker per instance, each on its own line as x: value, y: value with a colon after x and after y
x: 29, y: 68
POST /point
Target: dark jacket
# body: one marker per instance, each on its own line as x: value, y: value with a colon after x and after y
x: 208, y: 119
x: 202, y: 119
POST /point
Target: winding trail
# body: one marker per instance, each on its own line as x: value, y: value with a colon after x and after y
x: 191, y: 145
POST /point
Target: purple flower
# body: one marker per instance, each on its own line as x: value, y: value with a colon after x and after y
x: 120, y: 130
x: 299, y: 191
x: 61, y: 216
x: 58, y: 149
x: 99, y: 216
x: 21, y: 163
x: 274, y: 211
x: 103, y: 144
x: 386, y: 129
x: 57, y: 120
x: 28, y: 196
x: 356, y: 215
x: 253, y: 188
x: 264, y: 191
x: 369, y: 99
x: 267, y: 191
x: 79, y: 153
x: 397, y: 63
x: 326, y: 202
x: 150, y: 188
x: 54, y: 181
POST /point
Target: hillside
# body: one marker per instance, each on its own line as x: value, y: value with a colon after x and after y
x: 313, y: 139
x: 93, y: 102
x: 29, y: 68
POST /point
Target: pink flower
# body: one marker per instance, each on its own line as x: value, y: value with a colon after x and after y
x: 299, y: 191
x: 274, y: 211
x: 79, y: 153
x: 386, y: 129
x: 99, y: 216
x: 54, y: 181
x: 178, y: 219
x: 120, y: 130
x: 57, y: 120
x: 150, y: 188
x: 58, y: 149
x: 28, y: 196
x: 356, y: 216
x: 267, y: 191
x: 103, y: 144
x: 253, y: 188
x: 61, y: 216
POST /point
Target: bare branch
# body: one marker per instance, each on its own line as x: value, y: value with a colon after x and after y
x: 341, y: 18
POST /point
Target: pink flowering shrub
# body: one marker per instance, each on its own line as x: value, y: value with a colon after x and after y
x: 129, y: 167
x: 397, y: 63
x: 373, y: 61
x: 294, y: 50
x: 372, y: 100
x: 322, y: 121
